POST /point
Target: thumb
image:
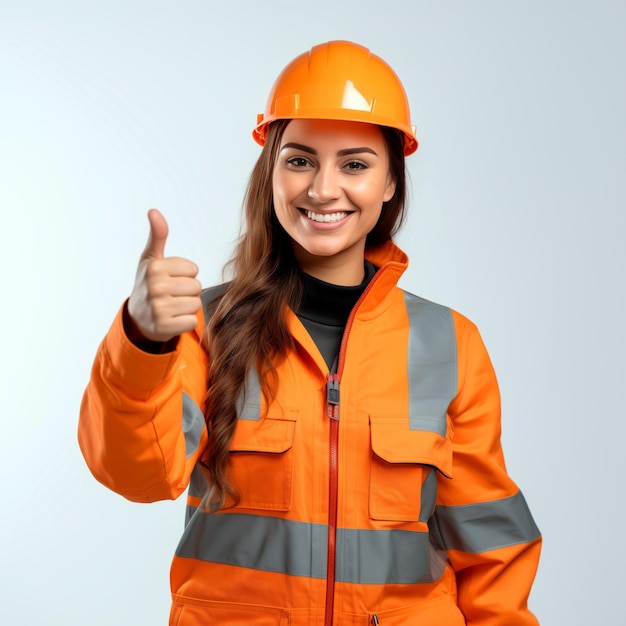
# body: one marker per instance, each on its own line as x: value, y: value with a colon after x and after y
x: 155, y: 248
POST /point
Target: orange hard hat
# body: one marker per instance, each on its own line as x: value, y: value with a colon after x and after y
x: 339, y: 80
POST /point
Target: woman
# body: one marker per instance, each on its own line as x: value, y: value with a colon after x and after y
x: 339, y: 437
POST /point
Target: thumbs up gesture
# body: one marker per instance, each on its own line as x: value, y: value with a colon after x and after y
x: 166, y: 294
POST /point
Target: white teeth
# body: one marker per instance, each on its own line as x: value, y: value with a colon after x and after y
x: 326, y: 217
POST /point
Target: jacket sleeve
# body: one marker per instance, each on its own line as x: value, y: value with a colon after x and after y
x: 482, y: 520
x: 141, y: 426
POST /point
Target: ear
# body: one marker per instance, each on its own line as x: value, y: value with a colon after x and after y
x: 390, y: 189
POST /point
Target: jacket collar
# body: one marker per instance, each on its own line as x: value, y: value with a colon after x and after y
x: 387, y: 253
x: 376, y: 299
x: 392, y: 263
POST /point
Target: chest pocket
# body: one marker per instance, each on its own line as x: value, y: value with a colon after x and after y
x: 403, y: 469
x: 261, y: 462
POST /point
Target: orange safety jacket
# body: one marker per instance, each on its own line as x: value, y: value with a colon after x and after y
x: 378, y: 495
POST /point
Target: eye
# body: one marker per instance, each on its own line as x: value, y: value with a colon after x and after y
x: 355, y: 165
x: 298, y: 161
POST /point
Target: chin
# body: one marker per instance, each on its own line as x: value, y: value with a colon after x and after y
x: 320, y: 251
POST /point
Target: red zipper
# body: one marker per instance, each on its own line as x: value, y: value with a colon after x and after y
x: 332, y: 412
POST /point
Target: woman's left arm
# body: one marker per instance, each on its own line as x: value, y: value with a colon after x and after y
x: 482, y: 520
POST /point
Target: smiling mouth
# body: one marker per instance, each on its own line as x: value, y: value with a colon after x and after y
x: 326, y: 217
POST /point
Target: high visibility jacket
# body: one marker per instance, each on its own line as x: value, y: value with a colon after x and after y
x: 376, y: 496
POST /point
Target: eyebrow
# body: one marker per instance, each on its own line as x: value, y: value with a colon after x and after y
x: 345, y: 152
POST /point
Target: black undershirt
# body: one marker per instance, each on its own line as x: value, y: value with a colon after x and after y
x: 325, y: 309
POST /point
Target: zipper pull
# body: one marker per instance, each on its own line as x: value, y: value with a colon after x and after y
x: 374, y: 620
x: 332, y: 396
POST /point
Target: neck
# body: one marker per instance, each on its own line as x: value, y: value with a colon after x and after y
x: 344, y: 269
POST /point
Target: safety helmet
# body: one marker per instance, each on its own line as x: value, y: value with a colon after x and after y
x: 339, y: 80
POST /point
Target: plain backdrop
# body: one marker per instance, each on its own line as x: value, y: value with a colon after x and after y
x: 516, y: 219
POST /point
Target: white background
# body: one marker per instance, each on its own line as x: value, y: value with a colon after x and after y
x: 517, y: 220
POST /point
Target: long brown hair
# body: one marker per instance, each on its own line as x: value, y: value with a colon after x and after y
x: 246, y: 328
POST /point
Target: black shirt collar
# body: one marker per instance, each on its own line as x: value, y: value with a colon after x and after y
x: 330, y: 304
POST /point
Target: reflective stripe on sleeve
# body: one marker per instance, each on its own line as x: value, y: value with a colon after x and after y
x: 485, y: 526
x: 298, y: 549
x: 193, y: 424
x: 432, y: 364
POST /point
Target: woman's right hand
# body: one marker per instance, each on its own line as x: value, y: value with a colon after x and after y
x: 166, y: 294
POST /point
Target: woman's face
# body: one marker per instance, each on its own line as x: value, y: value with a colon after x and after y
x: 329, y: 183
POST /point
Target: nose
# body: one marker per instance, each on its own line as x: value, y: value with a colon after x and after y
x: 325, y: 185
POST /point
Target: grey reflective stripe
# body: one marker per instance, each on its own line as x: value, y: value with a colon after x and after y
x: 256, y: 542
x: 189, y: 513
x: 432, y: 361
x: 198, y: 486
x: 429, y: 495
x: 485, y: 526
x: 249, y: 401
x: 208, y: 295
x: 299, y: 549
x: 383, y: 557
x: 193, y: 424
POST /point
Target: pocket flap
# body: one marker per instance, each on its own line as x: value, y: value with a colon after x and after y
x: 394, y: 442
x: 264, y: 435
